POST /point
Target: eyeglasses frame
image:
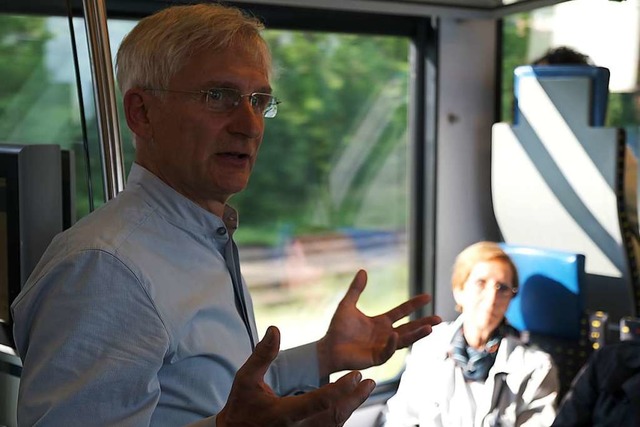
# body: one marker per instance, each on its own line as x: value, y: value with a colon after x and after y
x: 270, y: 112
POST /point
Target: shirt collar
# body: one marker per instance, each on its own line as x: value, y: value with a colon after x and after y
x: 178, y: 209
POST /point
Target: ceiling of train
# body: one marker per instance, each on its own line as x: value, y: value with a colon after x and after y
x: 496, y: 7
x: 476, y: 4
x: 462, y: 8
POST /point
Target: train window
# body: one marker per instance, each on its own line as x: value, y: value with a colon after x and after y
x: 607, y: 32
x: 337, y: 201
x: 329, y: 194
x: 39, y: 96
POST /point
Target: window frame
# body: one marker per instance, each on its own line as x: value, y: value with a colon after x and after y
x: 423, y: 35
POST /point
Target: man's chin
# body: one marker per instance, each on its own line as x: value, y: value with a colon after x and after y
x: 235, y: 186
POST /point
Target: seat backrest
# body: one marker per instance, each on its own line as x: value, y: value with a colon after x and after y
x: 596, y: 77
x: 557, y: 180
x: 549, y: 307
x: 550, y: 299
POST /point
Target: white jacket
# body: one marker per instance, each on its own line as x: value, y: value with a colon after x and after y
x: 520, y: 390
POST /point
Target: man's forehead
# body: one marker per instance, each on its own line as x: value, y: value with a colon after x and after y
x: 251, y: 56
x: 226, y: 68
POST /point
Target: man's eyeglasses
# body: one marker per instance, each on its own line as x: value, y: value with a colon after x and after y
x: 502, y: 289
x: 223, y: 100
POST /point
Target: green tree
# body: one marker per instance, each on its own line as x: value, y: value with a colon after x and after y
x: 327, y: 83
x: 515, y: 32
x: 37, y: 104
x: 22, y: 46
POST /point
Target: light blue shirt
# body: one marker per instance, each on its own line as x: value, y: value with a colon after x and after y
x: 130, y: 318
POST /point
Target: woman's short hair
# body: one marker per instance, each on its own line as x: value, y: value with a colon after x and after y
x: 474, y: 254
x: 160, y: 44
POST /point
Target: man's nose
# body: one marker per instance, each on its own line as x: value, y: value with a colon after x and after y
x: 246, y: 120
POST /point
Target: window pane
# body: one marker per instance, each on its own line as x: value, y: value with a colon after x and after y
x: 329, y: 192
x: 608, y: 32
x: 328, y: 195
x: 39, y: 96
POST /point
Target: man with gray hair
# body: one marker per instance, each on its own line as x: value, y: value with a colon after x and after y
x: 138, y: 315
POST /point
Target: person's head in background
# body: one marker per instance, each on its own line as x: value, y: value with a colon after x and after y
x: 196, y: 87
x: 563, y: 55
x: 484, y: 281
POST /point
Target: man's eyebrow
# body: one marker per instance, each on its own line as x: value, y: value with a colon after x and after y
x: 232, y: 85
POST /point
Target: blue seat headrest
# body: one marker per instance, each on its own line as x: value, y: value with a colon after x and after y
x: 550, y: 299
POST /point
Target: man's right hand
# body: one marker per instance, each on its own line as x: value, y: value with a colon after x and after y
x: 253, y: 403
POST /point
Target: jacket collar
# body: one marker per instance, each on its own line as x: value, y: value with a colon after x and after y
x: 507, y: 345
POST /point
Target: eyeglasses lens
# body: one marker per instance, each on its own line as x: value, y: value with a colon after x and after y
x: 224, y: 99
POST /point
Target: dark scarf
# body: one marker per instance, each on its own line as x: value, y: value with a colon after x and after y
x: 475, y: 363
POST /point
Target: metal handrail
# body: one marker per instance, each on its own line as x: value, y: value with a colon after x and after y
x: 104, y: 92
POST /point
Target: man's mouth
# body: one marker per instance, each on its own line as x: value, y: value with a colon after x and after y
x: 235, y: 155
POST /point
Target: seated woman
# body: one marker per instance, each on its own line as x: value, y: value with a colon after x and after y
x: 472, y: 372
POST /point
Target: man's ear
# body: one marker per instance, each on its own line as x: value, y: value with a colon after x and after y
x: 136, y: 113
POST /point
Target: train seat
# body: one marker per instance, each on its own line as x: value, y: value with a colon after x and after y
x: 550, y: 298
x: 549, y: 307
x: 558, y: 180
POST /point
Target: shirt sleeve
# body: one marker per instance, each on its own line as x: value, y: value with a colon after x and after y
x: 296, y: 370
x: 91, y: 344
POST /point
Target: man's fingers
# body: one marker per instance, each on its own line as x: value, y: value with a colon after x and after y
x: 350, y: 401
x: 264, y: 354
x: 422, y: 322
x: 408, y: 307
x: 415, y: 330
x: 349, y: 392
x: 355, y: 288
x: 331, y: 404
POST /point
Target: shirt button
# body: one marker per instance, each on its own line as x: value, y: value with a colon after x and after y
x: 221, y: 231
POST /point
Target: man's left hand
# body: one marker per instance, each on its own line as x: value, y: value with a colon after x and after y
x: 357, y: 341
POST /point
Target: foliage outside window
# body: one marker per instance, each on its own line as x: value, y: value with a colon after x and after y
x: 328, y: 195
x: 39, y: 96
